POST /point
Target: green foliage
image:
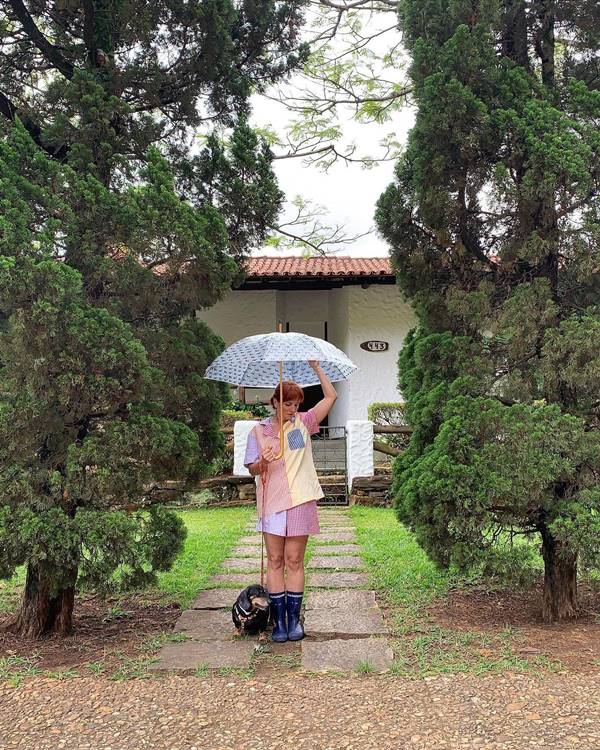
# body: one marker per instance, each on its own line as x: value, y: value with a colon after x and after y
x: 230, y: 416
x: 98, y: 544
x: 255, y: 408
x: 113, y: 232
x: 389, y: 413
x: 494, y: 223
x: 211, y: 534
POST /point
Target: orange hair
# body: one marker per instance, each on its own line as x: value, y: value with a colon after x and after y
x: 291, y: 392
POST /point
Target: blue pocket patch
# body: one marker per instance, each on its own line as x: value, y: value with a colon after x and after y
x: 295, y: 439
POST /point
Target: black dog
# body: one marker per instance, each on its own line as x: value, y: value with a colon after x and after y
x: 250, y: 613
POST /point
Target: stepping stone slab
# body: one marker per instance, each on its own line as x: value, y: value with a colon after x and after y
x: 215, y: 599
x: 205, y: 624
x: 190, y: 655
x: 234, y: 580
x: 322, y: 656
x: 244, y: 563
x: 333, y: 527
x: 250, y: 540
x: 247, y: 551
x: 336, y: 562
x: 338, y: 623
x: 348, y: 601
x: 336, y: 549
x: 334, y: 517
x: 335, y: 536
x: 338, y: 580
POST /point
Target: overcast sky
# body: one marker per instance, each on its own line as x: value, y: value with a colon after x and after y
x: 349, y: 192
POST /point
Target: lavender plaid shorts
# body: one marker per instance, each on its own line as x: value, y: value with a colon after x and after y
x: 298, y: 521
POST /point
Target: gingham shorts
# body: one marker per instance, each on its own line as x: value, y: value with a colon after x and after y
x: 298, y: 521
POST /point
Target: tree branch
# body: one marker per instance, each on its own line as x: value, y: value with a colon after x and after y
x: 318, y: 244
x: 467, y: 237
x: 9, y: 110
x: 361, y: 5
x: 50, y: 52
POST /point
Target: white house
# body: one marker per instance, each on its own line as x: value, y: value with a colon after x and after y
x: 352, y: 302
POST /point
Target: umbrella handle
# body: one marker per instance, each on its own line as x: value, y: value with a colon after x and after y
x: 280, y: 454
x: 264, y: 477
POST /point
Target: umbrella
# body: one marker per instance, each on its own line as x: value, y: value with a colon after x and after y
x: 254, y: 362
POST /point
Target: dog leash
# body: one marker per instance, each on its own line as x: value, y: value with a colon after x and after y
x: 263, y: 478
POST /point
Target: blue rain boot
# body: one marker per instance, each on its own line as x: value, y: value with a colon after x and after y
x: 295, y: 631
x: 279, y: 634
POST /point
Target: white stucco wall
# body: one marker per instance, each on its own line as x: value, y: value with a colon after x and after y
x: 305, y: 310
x: 379, y: 313
x: 240, y: 314
x: 339, y: 336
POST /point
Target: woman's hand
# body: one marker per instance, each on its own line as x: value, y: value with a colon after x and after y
x: 269, y: 454
x: 314, y: 363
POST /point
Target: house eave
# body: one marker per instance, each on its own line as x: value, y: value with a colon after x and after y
x: 313, y: 282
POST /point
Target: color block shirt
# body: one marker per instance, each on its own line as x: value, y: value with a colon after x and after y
x: 292, y: 479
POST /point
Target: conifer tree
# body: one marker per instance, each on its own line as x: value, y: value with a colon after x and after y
x: 131, y: 187
x: 494, y: 224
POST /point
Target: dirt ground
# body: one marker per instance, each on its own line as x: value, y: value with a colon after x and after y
x: 304, y: 712
x: 111, y: 631
x: 107, y: 631
x: 276, y: 706
x: 575, y: 644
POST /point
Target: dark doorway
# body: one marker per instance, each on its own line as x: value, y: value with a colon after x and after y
x: 312, y: 395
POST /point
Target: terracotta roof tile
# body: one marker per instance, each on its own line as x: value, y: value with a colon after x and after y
x: 277, y: 266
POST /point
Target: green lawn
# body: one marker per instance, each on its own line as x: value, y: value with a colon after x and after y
x: 398, y: 566
x: 408, y: 581
x: 10, y: 591
x: 212, y: 534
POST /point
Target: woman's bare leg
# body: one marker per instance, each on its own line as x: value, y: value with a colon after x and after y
x: 275, y: 546
x: 293, y: 552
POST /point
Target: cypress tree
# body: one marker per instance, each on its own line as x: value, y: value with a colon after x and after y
x: 131, y: 188
x: 493, y: 220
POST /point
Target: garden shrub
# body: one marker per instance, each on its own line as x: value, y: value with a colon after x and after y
x: 390, y: 413
x: 229, y: 417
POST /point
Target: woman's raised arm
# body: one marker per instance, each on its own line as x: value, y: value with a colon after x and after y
x: 323, y: 407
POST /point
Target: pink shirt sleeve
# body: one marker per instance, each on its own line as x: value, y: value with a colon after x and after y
x: 252, y: 449
x: 309, y: 420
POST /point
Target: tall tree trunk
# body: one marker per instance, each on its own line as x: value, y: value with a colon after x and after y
x: 43, y: 609
x: 544, y: 40
x: 514, y: 43
x: 560, y: 579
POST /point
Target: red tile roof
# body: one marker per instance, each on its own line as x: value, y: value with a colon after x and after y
x: 277, y: 266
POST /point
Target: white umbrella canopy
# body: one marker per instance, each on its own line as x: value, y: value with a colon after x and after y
x: 254, y: 362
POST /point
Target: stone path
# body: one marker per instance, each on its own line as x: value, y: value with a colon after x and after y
x: 344, y: 624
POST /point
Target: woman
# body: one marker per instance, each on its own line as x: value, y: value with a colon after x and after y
x: 287, y: 497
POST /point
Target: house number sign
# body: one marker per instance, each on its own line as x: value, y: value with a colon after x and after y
x: 375, y: 346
